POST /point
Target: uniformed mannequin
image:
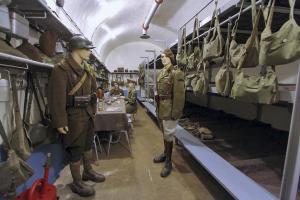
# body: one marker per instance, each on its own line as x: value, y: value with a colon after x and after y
x: 170, y: 100
x: 131, y: 104
x: 75, y: 122
x: 116, y: 91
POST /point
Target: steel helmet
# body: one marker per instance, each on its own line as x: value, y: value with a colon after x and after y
x: 79, y: 42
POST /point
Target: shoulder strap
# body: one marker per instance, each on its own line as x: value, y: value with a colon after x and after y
x: 250, y: 42
x: 234, y: 29
x: 212, y: 22
x: 292, y: 8
x: 4, y: 136
x: 78, y: 85
x: 227, y: 55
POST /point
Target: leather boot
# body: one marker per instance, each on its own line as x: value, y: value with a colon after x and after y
x: 166, y: 171
x: 78, y: 186
x: 88, y: 173
x: 161, y: 157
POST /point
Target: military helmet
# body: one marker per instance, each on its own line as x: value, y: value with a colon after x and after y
x: 79, y: 42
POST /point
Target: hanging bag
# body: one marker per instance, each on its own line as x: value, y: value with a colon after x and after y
x: 181, y: 56
x: 283, y: 46
x: 224, y: 78
x: 194, y: 58
x: 262, y: 88
x: 237, y: 51
x: 200, y: 83
x: 14, y: 171
x: 188, y: 79
x: 19, y: 139
x: 213, y: 45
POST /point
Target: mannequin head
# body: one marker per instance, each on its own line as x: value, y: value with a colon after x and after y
x: 116, y: 85
x: 81, y: 55
x: 80, y: 48
x: 130, y: 86
x: 100, y: 93
x: 167, y: 59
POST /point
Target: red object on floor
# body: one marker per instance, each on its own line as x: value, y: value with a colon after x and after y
x: 41, y: 189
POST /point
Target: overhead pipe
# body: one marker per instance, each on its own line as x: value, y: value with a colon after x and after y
x: 149, y: 17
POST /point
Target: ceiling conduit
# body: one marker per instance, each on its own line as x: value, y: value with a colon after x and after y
x: 148, y: 19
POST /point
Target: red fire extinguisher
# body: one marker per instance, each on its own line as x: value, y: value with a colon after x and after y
x: 41, y: 189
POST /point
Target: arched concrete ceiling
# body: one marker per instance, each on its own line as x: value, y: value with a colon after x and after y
x: 114, y: 26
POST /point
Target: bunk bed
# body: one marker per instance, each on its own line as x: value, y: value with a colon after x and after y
x: 234, y: 181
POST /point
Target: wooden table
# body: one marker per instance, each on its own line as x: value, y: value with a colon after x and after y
x: 112, y: 118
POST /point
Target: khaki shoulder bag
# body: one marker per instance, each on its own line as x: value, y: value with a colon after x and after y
x: 283, y: 46
x: 188, y: 79
x: 262, y: 88
x: 194, y: 58
x: 200, y: 83
x: 19, y: 140
x: 14, y: 171
x: 237, y: 51
x: 181, y: 56
x: 224, y: 78
x: 213, y: 45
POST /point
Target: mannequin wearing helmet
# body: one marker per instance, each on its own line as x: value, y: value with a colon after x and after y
x: 71, y: 79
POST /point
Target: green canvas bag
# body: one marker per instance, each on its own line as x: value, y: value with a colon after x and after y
x: 213, y: 45
x: 19, y: 140
x: 141, y: 79
x: 200, y: 83
x: 181, y: 56
x: 13, y: 171
x: 262, y: 88
x: 283, y: 46
x: 178, y: 94
x: 188, y: 79
x: 224, y: 78
x: 195, y: 56
x: 238, y: 50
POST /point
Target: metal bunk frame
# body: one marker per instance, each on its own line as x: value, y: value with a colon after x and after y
x: 290, y: 180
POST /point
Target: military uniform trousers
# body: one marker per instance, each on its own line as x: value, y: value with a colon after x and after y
x: 81, y: 134
x: 169, y: 129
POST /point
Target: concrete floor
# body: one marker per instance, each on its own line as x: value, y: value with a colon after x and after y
x: 137, y: 178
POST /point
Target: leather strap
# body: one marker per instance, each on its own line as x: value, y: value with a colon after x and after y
x: 78, y: 85
x: 212, y: 21
x: 250, y: 43
x: 4, y: 136
x: 227, y: 55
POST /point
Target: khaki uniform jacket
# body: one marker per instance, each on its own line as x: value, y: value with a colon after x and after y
x: 64, y: 77
x: 131, y: 104
x: 116, y: 92
x: 171, y: 94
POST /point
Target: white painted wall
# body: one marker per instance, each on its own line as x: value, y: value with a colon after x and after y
x: 126, y: 55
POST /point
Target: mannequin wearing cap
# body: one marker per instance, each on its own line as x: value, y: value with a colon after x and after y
x: 170, y: 102
x: 72, y: 110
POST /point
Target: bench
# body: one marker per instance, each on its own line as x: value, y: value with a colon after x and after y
x: 236, y: 183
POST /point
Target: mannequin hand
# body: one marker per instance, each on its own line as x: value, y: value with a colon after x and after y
x: 63, y: 130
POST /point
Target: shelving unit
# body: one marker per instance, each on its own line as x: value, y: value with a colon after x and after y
x: 235, y: 182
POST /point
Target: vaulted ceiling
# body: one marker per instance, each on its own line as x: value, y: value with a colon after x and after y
x: 114, y: 26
